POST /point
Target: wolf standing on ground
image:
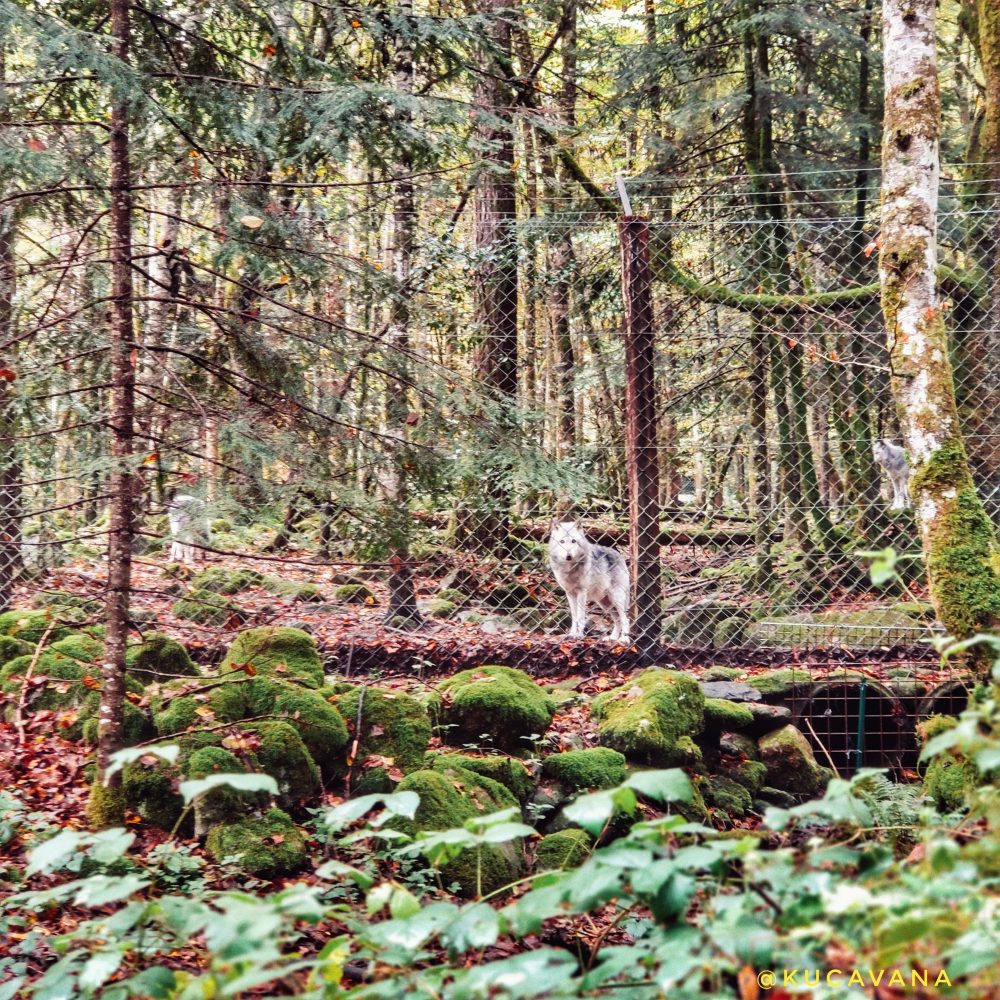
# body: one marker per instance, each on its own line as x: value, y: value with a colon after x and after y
x: 187, y: 516
x: 892, y: 458
x: 588, y: 573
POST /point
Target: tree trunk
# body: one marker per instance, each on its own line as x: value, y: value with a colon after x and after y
x: 106, y: 807
x: 956, y: 534
x: 402, y: 608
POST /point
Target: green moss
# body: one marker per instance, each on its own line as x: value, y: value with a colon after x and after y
x: 223, y: 581
x: 105, y: 807
x: 11, y: 648
x: 277, y: 650
x: 949, y: 780
x: 223, y: 804
x: 80, y: 647
x: 177, y: 715
x: 508, y: 771
x: 268, y: 847
x: 448, y: 797
x: 60, y: 599
x: 282, y: 754
x: 353, y: 593
x: 206, y: 608
x: 964, y: 584
x: 453, y: 596
x: 159, y: 658
x: 439, y: 608
x: 933, y: 726
x: 728, y: 795
x: 319, y: 723
x: 564, y: 849
x: 150, y: 789
x: 751, y: 774
x: 393, y: 725
x: 778, y: 683
x: 790, y: 763
x: 303, y: 593
x: 68, y: 684
x: 579, y: 770
x: 725, y: 716
x: 503, y: 704
x: 651, y: 718
x: 721, y: 673
x: 510, y: 597
x: 137, y: 725
x: 30, y: 626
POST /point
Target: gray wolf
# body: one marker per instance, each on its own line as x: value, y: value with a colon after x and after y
x: 590, y: 574
x: 892, y: 458
x: 188, y: 520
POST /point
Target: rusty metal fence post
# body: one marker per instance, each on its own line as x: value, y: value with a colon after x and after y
x: 640, y: 439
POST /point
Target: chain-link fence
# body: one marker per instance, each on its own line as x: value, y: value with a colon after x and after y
x: 379, y: 402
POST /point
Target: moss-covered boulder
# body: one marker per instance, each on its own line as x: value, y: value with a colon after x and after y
x: 790, y: 763
x: 440, y: 608
x: 150, y: 789
x: 501, y: 704
x: 392, y: 739
x: 652, y: 718
x: 508, y: 771
x: 137, y: 725
x: 205, y: 607
x: 353, y: 593
x: 853, y: 629
x: 727, y: 795
x: 30, y: 626
x: 581, y: 770
x: 563, y: 849
x: 950, y: 776
x: 318, y: 722
x: 726, y: 716
x: 448, y: 797
x: 59, y: 683
x: 159, y: 658
x: 273, y: 649
x: 510, y: 597
x: 302, y: 593
x: 268, y: 846
x: 751, y: 774
x: 222, y: 804
x: 80, y: 647
x: 220, y: 580
x: 11, y: 648
x: 780, y: 683
x: 281, y: 753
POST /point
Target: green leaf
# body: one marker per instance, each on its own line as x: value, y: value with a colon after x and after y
x: 99, y: 890
x: 99, y: 968
x: 403, y: 904
x: 591, y: 811
x: 542, y: 972
x: 671, y: 785
x: 157, y: 983
x: 476, y: 926
x: 397, y: 804
x: 336, y: 869
x: 53, y: 853
x: 241, y: 782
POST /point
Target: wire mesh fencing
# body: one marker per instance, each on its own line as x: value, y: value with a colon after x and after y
x: 377, y: 402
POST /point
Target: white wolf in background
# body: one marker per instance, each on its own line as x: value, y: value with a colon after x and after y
x: 188, y: 519
x: 590, y: 573
x: 892, y: 458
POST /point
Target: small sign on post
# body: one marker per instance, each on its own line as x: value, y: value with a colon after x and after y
x: 642, y: 458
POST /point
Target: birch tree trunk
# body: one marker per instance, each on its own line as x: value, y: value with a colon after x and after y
x: 106, y: 806
x: 956, y: 535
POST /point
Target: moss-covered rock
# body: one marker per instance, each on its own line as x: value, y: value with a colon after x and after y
x: 79, y: 646
x: 790, y: 763
x: 508, y: 771
x: 205, y: 607
x: 751, y: 774
x: 580, y: 770
x: 510, y: 597
x: 779, y: 683
x: 175, y: 713
x: 394, y: 727
x: 11, y: 649
x: 353, y: 593
x: 302, y: 593
x: 563, y: 849
x: 269, y: 846
x: 159, y: 658
x: 319, y: 723
x: 219, y: 580
x: 727, y: 716
x: 223, y: 804
x: 651, y: 718
x: 282, y: 754
x: 63, y: 599
x: 933, y: 726
x: 150, y: 789
x: 500, y: 703
x: 453, y: 596
x: 949, y: 779
x: 273, y: 649
x: 59, y: 684
x: 448, y: 797
x: 137, y: 725
x: 853, y: 629
x: 30, y: 626
x: 440, y: 608
x: 721, y: 673
x: 727, y: 795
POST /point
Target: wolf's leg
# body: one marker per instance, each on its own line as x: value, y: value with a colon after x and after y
x: 575, y: 632
x: 621, y: 608
x: 580, y: 626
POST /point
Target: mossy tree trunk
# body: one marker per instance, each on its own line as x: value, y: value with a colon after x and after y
x: 956, y: 535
